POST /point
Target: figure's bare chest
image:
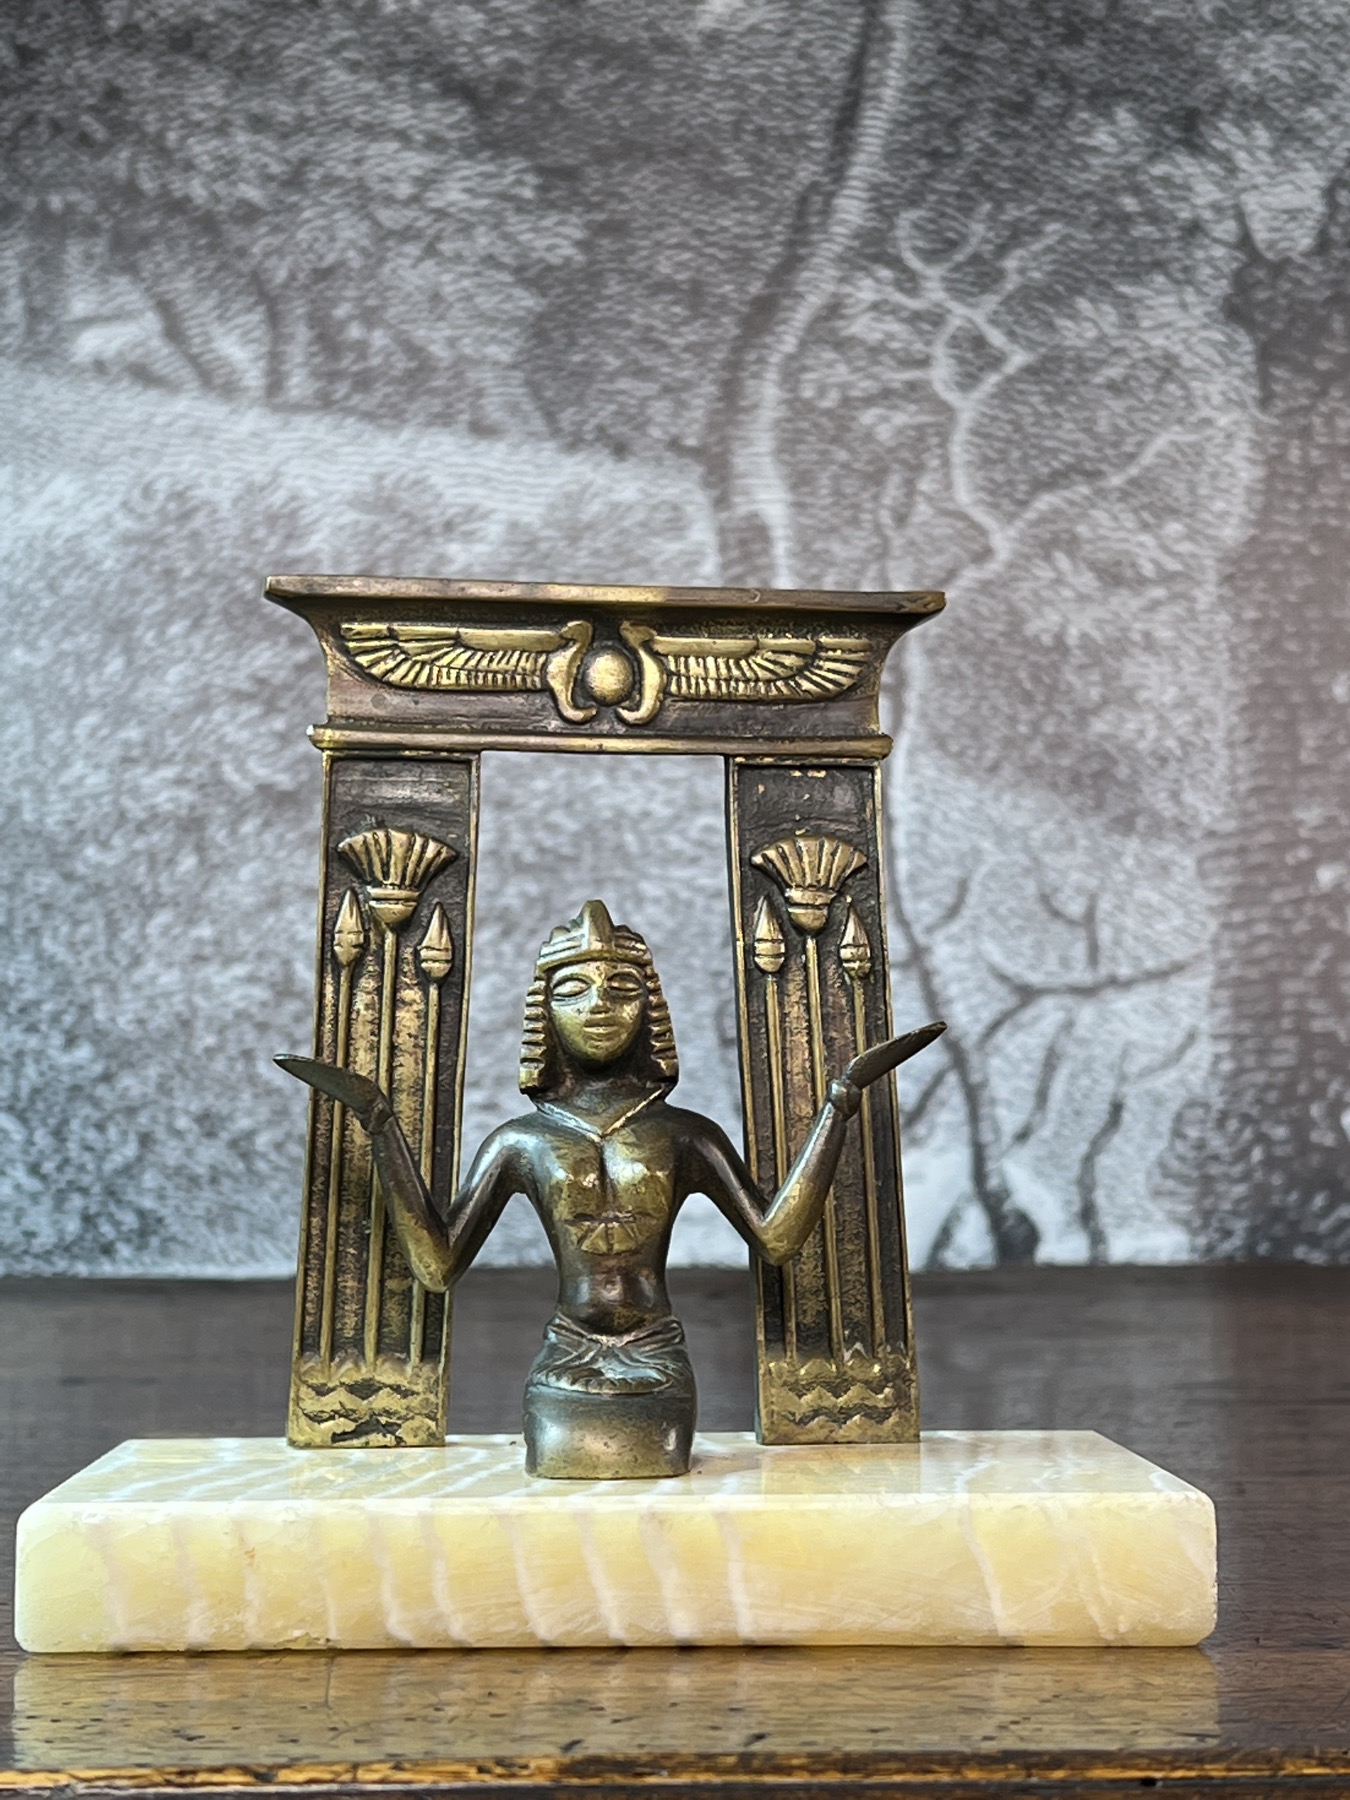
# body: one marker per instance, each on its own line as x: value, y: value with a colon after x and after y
x: 613, y: 1193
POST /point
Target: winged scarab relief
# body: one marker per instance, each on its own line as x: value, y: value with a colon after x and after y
x: 766, y: 666
x: 653, y: 667
x: 471, y: 659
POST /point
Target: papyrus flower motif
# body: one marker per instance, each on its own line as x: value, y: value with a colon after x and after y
x: 810, y: 869
x: 397, y: 865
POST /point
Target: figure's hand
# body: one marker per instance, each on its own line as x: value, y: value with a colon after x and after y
x: 872, y: 1064
x: 844, y: 1097
x: 357, y: 1093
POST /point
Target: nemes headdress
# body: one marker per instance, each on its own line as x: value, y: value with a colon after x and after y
x: 593, y: 937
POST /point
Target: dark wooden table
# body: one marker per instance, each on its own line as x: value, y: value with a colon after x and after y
x: 1236, y: 1378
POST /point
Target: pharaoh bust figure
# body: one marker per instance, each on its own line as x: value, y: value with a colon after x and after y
x: 607, y: 1162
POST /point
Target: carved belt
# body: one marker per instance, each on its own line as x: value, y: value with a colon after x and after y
x: 653, y: 1356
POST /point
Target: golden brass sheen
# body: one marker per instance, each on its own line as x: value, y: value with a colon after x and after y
x: 606, y: 1162
x: 423, y: 676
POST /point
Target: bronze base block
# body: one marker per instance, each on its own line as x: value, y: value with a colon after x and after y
x: 575, y: 1436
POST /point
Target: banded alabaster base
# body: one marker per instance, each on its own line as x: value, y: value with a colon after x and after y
x: 1002, y: 1537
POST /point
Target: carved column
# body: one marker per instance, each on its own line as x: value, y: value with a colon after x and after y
x: 835, y: 1332
x: 371, y: 1363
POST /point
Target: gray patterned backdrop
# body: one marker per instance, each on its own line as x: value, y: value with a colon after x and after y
x: 1048, y: 305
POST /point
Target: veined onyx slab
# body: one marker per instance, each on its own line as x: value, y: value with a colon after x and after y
x: 1055, y: 1537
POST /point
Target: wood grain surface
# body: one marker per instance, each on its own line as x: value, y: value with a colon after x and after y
x: 1236, y: 1378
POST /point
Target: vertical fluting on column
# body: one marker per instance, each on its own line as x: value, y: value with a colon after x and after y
x: 349, y: 944
x: 397, y: 866
x: 769, y: 949
x: 835, y: 1341
x: 855, y: 954
x: 810, y: 868
x: 371, y: 1354
x: 435, y: 959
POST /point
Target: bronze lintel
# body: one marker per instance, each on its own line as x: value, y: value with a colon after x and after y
x: 339, y: 739
x: 301, y: 593
x: 445, y: 667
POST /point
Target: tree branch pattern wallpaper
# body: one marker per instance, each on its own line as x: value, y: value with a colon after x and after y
x: 1048, y: 306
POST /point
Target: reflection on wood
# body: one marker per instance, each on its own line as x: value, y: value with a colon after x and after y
x: 539, y: 1713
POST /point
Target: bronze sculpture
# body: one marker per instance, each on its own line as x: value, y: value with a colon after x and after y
x: 424, y: 676
x: 238, y: 1543
x: 607, y: 1162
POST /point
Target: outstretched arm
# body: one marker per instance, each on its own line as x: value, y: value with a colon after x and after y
x: 438, y: 1251
x: 778, y: 1228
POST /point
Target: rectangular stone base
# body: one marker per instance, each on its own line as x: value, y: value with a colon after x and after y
x: 1002, y: 1537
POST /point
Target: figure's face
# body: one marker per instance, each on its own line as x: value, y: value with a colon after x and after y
x: 597, y: 1009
